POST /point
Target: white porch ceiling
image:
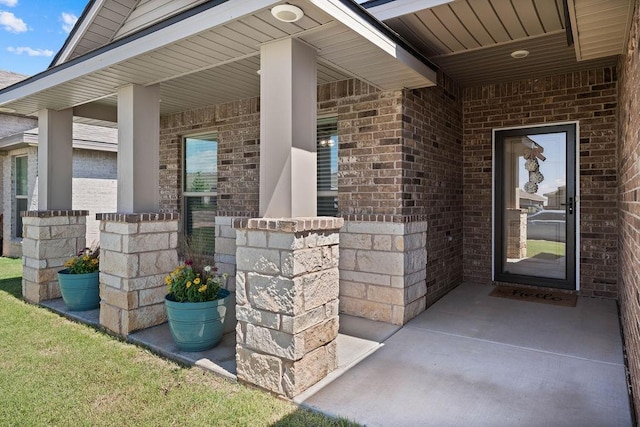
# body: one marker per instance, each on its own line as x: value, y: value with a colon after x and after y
x: 220, y: 62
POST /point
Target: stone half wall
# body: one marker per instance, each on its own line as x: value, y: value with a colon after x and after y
x: 629, y: 202
x: 589, y: 97
x: 383, y: 270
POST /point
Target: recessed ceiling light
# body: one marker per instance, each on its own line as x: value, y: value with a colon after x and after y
x: 287, y: 13
x: 519, y: 54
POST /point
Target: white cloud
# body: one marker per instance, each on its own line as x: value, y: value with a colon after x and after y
x: 68, y: 21
x: 12, y: 24
x: 9, y: 3
x: 29, y: 51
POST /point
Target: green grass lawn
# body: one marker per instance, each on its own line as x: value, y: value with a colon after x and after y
x: 57, y: 372
x: 545, y: 249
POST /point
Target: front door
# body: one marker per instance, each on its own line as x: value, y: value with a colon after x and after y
x: 535, y: 206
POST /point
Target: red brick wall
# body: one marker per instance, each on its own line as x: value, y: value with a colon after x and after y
x: 433, y: 178
x: 589, y: 97
x: 629, y: 202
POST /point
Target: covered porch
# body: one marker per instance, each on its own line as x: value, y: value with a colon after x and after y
x: 415, y: 165
x: 470, y: 359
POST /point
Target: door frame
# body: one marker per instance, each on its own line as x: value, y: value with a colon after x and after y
x: 577, y: 192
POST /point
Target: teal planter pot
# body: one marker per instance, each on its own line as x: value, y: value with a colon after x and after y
x: 80, y: 292
x: 197, y: 326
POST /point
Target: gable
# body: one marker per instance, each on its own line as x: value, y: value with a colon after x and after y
x: 104, y: 21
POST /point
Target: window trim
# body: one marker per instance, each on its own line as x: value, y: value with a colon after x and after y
x: 212, y: 136
x: 16, y: 221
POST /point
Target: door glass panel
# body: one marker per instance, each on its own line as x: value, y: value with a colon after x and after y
x: 535, y: 205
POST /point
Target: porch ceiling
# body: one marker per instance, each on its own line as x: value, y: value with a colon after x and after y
x: 471, y: 40
x: 206, y: 58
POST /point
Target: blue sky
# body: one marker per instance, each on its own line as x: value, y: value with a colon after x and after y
x: 32, y: 32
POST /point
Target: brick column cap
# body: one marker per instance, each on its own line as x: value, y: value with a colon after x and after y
x: 289, y: 225
x: 138, y: 217
x: 53, y: 213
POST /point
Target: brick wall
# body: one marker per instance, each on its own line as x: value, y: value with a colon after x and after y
x: 94, y: 187
x: 629, y: 202
x: 589, y: 97
x: 11, y: 124
x: 400, y: 162
x: 238, y: 127
x: 433, y: 178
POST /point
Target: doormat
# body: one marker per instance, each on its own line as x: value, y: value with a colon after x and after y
x: 544, y: 296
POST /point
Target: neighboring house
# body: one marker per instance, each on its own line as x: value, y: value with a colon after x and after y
x: 556, y: 198
x: 94, y: 179
x: 225, y: 111
x: 10, y: 123
x: 531, y: 202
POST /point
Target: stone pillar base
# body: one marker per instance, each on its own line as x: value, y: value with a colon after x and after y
x: 137, y: 251
x: 287, y: 302
x: 517, y: 233
x: 49, y: 239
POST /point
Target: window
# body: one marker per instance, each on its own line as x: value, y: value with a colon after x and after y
x: 200, y: 190
x: 327, y: 166
x: 22, y: 192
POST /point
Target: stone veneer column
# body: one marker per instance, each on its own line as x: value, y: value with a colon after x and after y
x: 287, y: 302
x: 383, y: 270
x: 49, y: 239
x: 137, y: 252
x: 517, y: 233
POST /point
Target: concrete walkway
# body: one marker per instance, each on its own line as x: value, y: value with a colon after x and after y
x: 475, y: 360
x: 469, y: 360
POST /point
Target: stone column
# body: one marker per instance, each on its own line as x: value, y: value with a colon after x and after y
x: 516, y: 233
x: 49, y: 239
x: 287, y: 302
x: 137, y: 252
x: 383, y: 270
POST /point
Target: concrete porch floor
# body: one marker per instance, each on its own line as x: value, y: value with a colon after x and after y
x: 470, y: 360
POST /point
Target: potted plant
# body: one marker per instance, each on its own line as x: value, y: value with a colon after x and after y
x: 196, y: 306
x: 80, y: 281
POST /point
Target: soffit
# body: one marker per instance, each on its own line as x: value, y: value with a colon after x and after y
x: 220, y: 63
x: 471, y: 40
x: 601, y: 27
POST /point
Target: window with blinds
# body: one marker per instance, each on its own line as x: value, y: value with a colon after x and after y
x: 200, y: 180
x: 327, y: 167
x: 22, y: 192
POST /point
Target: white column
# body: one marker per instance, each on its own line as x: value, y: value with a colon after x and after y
x: 138, y: 149
x: 55, y: 159
x: 288, y: 81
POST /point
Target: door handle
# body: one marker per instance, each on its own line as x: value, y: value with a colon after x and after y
x: 569, y: 205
